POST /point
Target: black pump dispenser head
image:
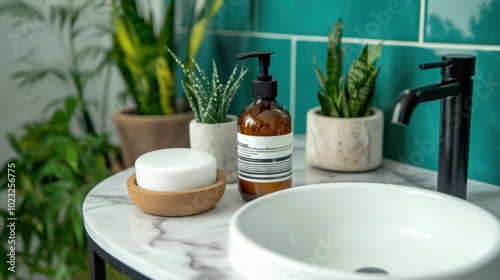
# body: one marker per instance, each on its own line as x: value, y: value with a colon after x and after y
x: 264, y: 86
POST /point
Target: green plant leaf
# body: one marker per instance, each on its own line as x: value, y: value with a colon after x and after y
x: 19, y: 9
x: 166, y: 38
x: 166, y: 85
x: 140, y: 57
x: 14, y: 144
x: 189, y: 91
x: 357, y: 82
x: 53, y: 178
x: 76, y: 221
x: 327, y: 107
x: 209, y: 10
x: 334, y: 60
x: 321, y: 77
x: 92, y: 52
x: 230, y: 91
x: 209, y: 100
x: 125, y: 37
x: 29, y: 77
x: 365, y: 110
x: 342, y: 102
x: 374, y: 53
x: 355, y: 98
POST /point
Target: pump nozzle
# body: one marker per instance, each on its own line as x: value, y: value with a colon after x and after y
x: 264, y: 63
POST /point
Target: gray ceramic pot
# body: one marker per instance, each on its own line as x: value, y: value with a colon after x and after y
x: 344, y: 144
x: 220, y: 140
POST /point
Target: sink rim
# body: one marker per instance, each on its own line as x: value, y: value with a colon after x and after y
x: 236, y: 231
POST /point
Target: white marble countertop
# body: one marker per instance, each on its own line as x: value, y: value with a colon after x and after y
x: 195, y: 247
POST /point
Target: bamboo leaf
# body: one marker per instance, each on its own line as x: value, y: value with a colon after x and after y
x: 77, y: 12
x: 35, y: 75
x: 19, y: 9
x: 91, y: 52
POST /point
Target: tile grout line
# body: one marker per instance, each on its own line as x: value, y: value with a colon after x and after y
x: 293, y: 70
x: 313, y: 38
x: 421, y: 24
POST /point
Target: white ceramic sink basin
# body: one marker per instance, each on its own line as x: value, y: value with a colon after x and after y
x: 364, y: 231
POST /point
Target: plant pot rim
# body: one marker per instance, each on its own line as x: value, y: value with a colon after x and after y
x: 230, y: 119
x: 377, y: 113
x: 128, y: 112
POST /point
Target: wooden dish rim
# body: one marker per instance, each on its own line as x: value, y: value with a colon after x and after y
x: 221, y: 181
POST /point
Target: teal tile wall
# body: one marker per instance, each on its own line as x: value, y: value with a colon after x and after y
x: 392, y: 19
x: 472, y: 22
x: 296, y: 31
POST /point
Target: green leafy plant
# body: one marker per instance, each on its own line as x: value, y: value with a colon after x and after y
x: 56, y: 166
x: 141, y: 55
x: 54, y: 171
x: 355, y: 98
x: 209, y: 99
x: 83, y: 61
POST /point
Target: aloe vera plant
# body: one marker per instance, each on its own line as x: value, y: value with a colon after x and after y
x: 209, y: 99
x: 141, y: 57
x: 354, y: 99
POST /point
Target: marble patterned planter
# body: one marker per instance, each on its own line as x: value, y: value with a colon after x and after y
x: 220, y: 140
x: 344, y: 144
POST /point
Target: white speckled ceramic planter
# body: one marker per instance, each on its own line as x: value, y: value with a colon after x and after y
x: 220, y: 140
x: 344, y: 144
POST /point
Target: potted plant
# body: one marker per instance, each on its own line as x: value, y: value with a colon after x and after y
x: 58, y: 160
x: 148, y: 73
x: 345, y: 132
x: 213, y: 130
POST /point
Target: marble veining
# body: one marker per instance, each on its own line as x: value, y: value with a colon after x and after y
x: 195, y: 247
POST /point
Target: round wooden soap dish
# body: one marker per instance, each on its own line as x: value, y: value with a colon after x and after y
x: 177, y: 203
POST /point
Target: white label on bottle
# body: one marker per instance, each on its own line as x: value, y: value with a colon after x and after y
x: 265, y: 159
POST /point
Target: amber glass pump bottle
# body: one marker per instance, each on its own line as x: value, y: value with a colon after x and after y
x: 264, y: 137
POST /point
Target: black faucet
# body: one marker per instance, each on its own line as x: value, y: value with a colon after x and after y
x: 455, y: 91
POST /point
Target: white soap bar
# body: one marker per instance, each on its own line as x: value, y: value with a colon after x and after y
x: 175, y: 169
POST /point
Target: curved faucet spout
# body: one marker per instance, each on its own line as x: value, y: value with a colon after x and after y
x: 410, y: 98
x: 455, y: 92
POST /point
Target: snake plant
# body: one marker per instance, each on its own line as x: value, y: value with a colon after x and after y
x: 209, y: 99
x: 354, y: 99
x: 141, y: 57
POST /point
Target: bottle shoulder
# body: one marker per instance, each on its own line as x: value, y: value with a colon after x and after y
x: 265, y: 118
